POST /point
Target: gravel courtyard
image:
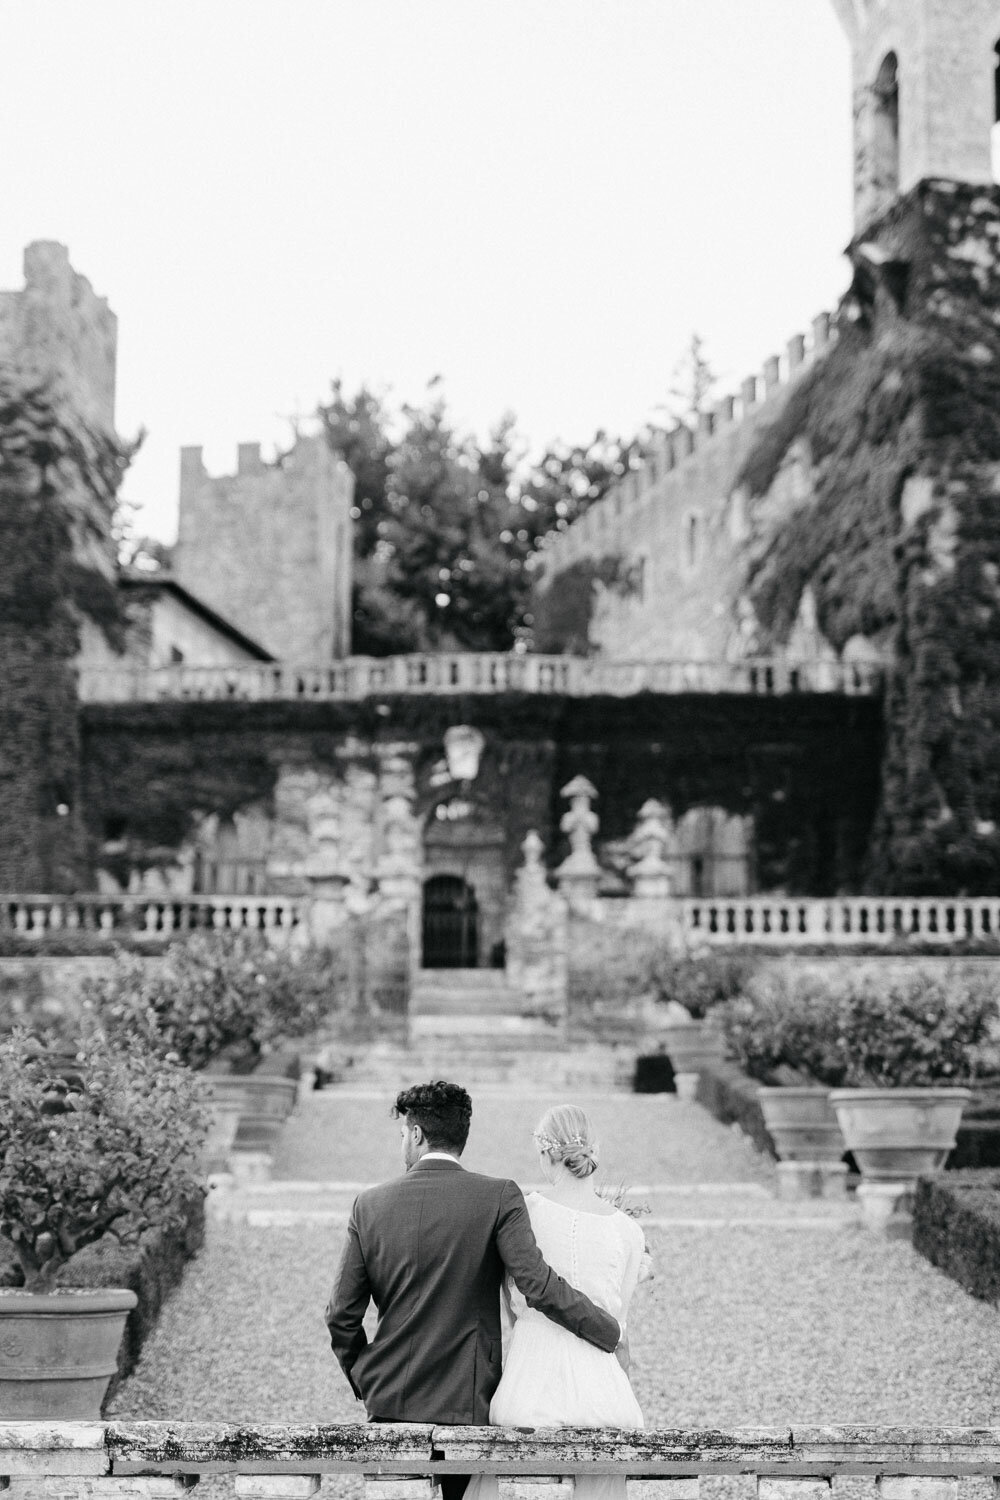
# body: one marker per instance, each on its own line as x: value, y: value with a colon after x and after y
x: 760, y: 1312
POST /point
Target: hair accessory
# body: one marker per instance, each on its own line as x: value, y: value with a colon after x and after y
x: 548, y: 1143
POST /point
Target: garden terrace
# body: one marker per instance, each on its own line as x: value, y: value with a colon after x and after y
x: 402, y: 1461
x: 472, y: 672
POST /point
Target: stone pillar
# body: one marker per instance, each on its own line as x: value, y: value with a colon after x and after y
x: 579, y: 872
x: 276, y: 1486
x: 401, y: 1487
x: 536, y: 936
x: 327, y: 907
x: 650, y: 872
x: 530, y: 1487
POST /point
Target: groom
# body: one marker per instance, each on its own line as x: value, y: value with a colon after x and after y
x: 432, y: 1248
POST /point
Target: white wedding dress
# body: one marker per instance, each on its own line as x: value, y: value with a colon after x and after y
x: 551, y: 1378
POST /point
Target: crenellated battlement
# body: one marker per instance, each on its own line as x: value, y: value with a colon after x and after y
x: 57, y: 328
x: 269, y: 546
x: 690, y: 460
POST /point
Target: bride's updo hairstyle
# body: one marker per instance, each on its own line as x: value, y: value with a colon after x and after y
x: 565, y: 1134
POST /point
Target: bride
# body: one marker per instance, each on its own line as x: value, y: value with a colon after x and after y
x: 551, y: 1378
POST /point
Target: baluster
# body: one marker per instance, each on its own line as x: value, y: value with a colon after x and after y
x: 276, y: 1486
x: 528, y: 1487
x: 106, y: 919
x: 769, y: 1487
x: 916, y: 1487
x: 20, y: 917
x: 37, y: 924
x: 401, y: 1487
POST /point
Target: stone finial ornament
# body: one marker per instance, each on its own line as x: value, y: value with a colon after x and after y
x: 652, y: 840
x: 579, y: 872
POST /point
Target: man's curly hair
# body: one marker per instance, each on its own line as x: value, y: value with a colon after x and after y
x: 443, y: 1112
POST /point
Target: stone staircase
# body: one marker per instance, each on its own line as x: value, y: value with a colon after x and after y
x: 469, y: 1025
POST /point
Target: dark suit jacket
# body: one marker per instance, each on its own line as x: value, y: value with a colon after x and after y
x: 431, y: 1248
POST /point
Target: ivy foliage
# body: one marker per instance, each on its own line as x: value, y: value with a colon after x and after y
x: 900, y: 424
x: 59, y: 481
x: 564, y: 612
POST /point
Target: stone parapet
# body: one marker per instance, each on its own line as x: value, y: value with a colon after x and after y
x: 405, y: 1461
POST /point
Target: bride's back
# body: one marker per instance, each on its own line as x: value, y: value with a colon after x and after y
x: 593, y: 1251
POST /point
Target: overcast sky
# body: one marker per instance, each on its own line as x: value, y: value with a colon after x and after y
x: 538, y: 200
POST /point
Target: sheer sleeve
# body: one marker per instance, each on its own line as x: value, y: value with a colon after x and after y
x: 633, y: 1266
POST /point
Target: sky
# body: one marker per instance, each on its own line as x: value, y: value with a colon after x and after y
x: 537, y: 200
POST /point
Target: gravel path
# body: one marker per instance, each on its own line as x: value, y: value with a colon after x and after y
x: 645, y: 1138
x: 750, y: 1324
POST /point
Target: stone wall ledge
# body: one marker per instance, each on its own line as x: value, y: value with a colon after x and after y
x: 120, y: 1450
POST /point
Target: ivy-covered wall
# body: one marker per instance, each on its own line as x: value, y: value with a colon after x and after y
x: 900, y: 541
x: 804, y: 766
x: 58, y: 481
x: 562, y: 607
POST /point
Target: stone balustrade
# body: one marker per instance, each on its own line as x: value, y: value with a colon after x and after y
x: 840, y: 921
x: 93, y: 1460
x: 359, y: 677
x: 718, y: 921
x: 152, y: 916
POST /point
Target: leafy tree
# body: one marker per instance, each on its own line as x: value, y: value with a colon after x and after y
x: 447, y: 527
x: 692, y: 382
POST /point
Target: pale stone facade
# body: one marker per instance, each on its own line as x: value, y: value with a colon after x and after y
x: 167, y: 627
x: 924, y: 101
x: 269, y: 547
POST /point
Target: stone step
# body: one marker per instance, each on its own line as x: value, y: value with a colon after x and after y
x: 427, y: 1001
x: 506, y: 1028
x: 462, y: 979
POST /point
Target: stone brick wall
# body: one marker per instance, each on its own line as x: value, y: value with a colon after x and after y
x: 269, y: 547
x: 680, y: 526
x: 57, y: 327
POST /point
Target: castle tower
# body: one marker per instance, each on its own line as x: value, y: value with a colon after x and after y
x: 925, y: 94
x: 270, y: 547
x: 56, y: 328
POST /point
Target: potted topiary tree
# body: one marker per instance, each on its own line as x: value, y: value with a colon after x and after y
x: 223, y: 1005
x: 784, y: 1032
x: 908, y: 1046
x: 100, y: 1142
x: 691, y: 987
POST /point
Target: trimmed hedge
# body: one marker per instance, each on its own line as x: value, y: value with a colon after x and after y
x: 956, y: 1226
x: 728, y: 1094
x: 151, y: 1269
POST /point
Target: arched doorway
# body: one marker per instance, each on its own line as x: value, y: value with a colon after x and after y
x: 450, y: 924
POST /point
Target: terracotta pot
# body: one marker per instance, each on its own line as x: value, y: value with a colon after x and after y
x: 253, y: 1094
x: 802, y: 1123
x: 897, y: 1135
x: 692, y: 1046
x: 59, y: 1350
x: 248, y: 1111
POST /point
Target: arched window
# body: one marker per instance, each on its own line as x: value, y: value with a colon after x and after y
x: 995, y: 133
x: 691, y: 541
x: 885, y: 126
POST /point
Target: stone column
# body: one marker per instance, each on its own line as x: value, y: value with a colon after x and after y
x: 536, y: 937
x: 327, y: 909
x: 579, y: 872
